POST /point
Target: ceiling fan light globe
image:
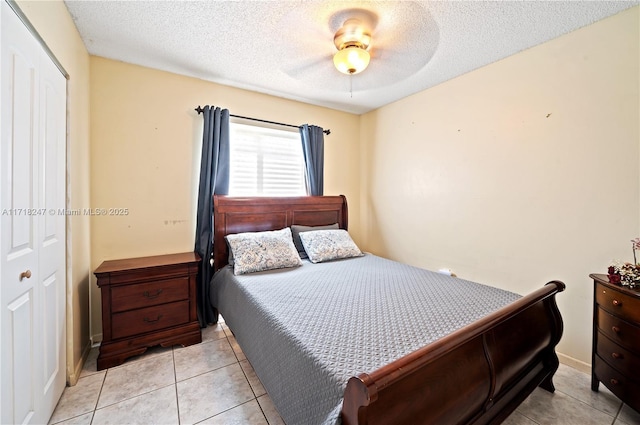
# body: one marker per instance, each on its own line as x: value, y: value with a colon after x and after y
x: 351, y: 60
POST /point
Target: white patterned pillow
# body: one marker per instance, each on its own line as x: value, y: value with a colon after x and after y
x: 325, y: 245
x: 259, y: 251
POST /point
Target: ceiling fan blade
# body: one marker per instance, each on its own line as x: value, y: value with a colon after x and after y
x: 304, y: 68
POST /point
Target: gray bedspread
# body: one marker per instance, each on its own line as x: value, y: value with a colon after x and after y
x: 307, y: 330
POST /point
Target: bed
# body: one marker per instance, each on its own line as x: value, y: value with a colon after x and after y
x: 476, y: 374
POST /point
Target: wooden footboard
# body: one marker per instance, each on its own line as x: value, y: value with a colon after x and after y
x: 476, y: 375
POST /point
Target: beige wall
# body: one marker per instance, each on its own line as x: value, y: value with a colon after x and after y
x: 521, y: 172
x: 145, y: 152
x: 54, y: 24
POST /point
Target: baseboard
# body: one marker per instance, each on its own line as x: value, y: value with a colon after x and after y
x: 574, y: 363
x: 75, y: 375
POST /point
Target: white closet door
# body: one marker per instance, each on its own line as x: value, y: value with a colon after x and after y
x: 32, y: 230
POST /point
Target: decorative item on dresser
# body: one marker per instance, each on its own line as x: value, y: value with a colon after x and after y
x: 616, y: 340
x: 147, y: 301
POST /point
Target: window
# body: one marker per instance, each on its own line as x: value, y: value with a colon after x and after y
x: 265, y: 162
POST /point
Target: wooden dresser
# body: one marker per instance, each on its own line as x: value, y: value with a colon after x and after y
x: 616, y: 340
x: 145, y: 302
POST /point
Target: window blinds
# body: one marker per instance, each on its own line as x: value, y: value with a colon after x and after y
x: 265, y: 162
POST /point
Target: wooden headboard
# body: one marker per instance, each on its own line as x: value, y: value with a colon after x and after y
x: 257, y: 214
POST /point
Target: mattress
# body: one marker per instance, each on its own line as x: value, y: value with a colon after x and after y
x: 307, y: 330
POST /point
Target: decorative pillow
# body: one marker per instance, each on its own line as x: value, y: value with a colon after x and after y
x: 259, y: 251
x: 296, y: 229
x: 325, y: 245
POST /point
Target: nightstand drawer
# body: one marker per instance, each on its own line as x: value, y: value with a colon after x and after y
x: 129, y: 297
x: 618, y: 303
x: 149, y: 319
x: 619, y: 331
x: 626, y: 389
x: 616, y: 356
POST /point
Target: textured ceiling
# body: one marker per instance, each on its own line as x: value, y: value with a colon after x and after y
x: 285, y: 48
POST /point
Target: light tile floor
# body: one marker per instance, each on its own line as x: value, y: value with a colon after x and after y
x: 213, y: 383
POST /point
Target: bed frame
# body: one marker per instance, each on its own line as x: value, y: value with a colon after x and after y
x: 476, y: 375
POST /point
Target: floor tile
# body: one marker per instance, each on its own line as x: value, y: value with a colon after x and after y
x: 213, y: 332
x: 516, y: 418
x: 629, y: 416
x: 273, y: 417
x: 155, y: 407
x: 236, y: 348
x: 90, y: 366
x: 212, y: 393
x: 578, y: 385
x: 227, y: 331
x: 79, y: 399
x: 137, y: 377
x: 78, y: 420
x: 544, y: 407
x: 204, y: 357
x: 255, y: 383
x: 245, y: 414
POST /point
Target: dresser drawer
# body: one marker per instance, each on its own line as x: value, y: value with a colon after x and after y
x: 129, y: 297
x: 618, y: 303
x: 623, y: 387
x: 620, y: 358
x: 619, y: 331
x: 149, y: 319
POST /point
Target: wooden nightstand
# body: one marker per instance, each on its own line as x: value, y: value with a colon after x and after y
x: 616, y: 340
x: 147, y: 301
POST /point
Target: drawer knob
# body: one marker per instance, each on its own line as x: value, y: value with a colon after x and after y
x: 617, y: 356
x: 25, y: 274
x: 614, y: 381
x: 152, y: 296
x: 615, y: 329
x: 146, y: 319
x: 617, y: 303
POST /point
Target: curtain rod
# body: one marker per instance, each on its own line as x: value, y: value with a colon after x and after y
x: 199, y: 110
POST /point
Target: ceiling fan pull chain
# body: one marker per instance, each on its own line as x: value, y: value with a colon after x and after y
x: 351, y: 85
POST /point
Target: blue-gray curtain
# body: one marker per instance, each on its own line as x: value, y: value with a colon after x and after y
x: 313, y: 150
x: 214, y: 178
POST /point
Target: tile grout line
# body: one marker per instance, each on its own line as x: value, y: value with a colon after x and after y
x: 255, y: 396
x: 615, y: 418
x: 226, y: 410
x: 175, y: 382
x: 95, y: 407
x: 264, y: 414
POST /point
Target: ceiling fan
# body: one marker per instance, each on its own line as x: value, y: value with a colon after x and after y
x: 381, y: 39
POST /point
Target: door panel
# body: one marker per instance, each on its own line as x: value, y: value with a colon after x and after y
x: 50, y: 336
x: 22, y: 351
x: 52, y: 129
x: 22, y: 80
